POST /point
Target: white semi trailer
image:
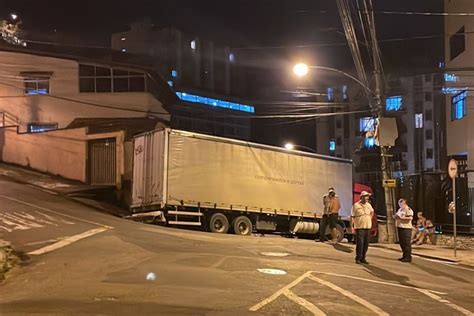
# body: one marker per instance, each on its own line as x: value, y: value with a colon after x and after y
x: 226, y: 185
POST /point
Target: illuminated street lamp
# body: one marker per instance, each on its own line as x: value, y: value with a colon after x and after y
x: 14, y: 16
x: 301, y: 69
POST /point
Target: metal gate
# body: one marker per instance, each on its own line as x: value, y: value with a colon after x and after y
x: 102, y: 161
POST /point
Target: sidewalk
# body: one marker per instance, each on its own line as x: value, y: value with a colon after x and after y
x: 463, y: 256
x: 78, y: 191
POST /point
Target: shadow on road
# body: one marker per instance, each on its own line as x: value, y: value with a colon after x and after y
x: 343, y: 248
x: 387, y: 275
x: 439, y: 273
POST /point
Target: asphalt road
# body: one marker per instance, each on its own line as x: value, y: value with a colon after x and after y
x: 80, y: 261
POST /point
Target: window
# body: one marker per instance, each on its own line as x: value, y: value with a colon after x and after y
x: 428, y: 96
x: 393, y: 103
x: 429, y: 153
x: 41, y: 127
x: 174, y: 73
x: 345, y: 93
x: 36, y: 82
x: 330, y: 94
x: 458, y: 106
x: 106, y: 79
x: 429, y: 115
x: 366, y: 124
x: 193, y: 44
x: 369, y: 142
x: 427, y: 78
x: 457, y: 44
x: 170, y: 83
x: 231, y: 57
x: 419, y: 120
x: 332, y: 145
x: 339, y: 141
x: 215, y: 102
x: 429, y: 134
x: 338, y: 123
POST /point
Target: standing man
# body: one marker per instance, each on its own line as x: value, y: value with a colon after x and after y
x: 403, y: 219
x: 333, y: 216
x: 325, y: 219
x: 361, y: 215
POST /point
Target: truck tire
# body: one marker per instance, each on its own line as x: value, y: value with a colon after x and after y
x: 242, y: 225
x: 218, y: 223
x: 340, y: 233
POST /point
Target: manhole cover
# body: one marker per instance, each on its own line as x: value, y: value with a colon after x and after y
x: 272, y: 271
x: 275, y: 254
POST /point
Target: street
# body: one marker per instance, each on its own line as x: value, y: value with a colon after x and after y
x: 80, y: 261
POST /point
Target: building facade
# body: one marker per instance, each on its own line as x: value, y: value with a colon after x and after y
x: 207, y: 77
x: 459, y: 77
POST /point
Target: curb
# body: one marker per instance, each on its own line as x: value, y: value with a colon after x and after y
x: 422, y: 255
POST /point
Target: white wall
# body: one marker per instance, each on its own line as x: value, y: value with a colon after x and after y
x: 460, y: 133
x: 64, y: 83
x: 60, y: 152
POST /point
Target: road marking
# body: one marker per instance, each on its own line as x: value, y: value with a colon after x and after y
x: 379, y: 282
x: 377, y: 310
x: 67, y: 241
x: 446, y: 302
x: 51, y: 211
x: 302, y: 302
x: 281, y: 291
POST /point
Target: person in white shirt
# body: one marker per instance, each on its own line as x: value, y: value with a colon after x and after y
x: 361, y: 215
x: 403, y: 219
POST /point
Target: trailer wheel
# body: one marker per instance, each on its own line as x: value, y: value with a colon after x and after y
x: 218, y: 223
x: 242, y: 225
x: 340, y: 233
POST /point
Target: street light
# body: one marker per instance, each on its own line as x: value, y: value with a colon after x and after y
x: 290, y: 146
x: 14, y: 16
x: 302, y: 69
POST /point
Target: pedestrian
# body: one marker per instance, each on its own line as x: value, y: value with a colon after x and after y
x: 403, y: 219
x: 325, y: 219
x: 361, y: 215
x: 333, y: 216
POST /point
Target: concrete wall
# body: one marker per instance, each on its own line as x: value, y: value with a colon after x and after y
x: 459, y: 132
x: 64, y: 83
x: 60, y: 152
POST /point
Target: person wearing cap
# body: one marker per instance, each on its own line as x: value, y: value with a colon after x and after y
x: 361, y: 215
x: 403, y: 218
x: 326, y: 212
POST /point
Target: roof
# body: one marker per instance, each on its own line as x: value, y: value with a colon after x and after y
x: 131, y: 126
x: 103, y: 56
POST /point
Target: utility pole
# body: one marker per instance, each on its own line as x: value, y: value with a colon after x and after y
x: 384, y: 157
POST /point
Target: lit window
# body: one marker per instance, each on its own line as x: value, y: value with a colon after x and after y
x: 345, y: 93
x: 123, y: 38
x: 419, y: 120
x: 393, y: 103
x: 330, y: 94
x: 41, y: 127
x: 36, y: 83
x: 215, y: 102
x: 366, y: 124
x: 170, y: 83
x: 332, y: 145
x: 450, y: 77
x: 193, y: 44
x: 459, y: 106
x: 369, y: 142
x: 174, y: 73
x: 231, y: 57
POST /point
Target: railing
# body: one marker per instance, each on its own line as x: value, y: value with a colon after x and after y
x: 8, y: 120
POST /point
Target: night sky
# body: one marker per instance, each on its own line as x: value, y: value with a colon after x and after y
x: 256, y: 27
x: 240, y: 23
